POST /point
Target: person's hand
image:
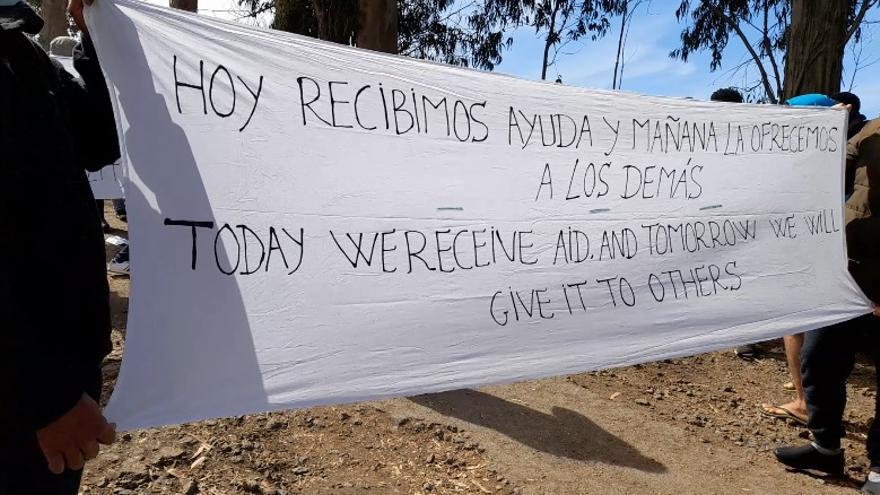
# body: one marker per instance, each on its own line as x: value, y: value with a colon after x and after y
x: 877, y: 311
x: 75, y: 9
x: 73, y: 438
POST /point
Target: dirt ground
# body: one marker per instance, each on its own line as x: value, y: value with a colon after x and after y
x: 676, y: 427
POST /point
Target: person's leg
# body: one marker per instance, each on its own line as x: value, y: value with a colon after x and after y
x: 38, y: 479
x: 26, y: 472
x: 828, y: 358
x: 870, y: 328
x: 826, y: 362
x: 793, y: 346
x: 119, y: 208
x: 99, y: 204
x: 796, y: 409
x: 23, y: 468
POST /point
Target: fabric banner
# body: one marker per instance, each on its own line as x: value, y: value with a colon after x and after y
x: 107, y: 182
x: 316, y: 224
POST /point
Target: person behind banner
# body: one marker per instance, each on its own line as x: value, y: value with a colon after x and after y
x: 53, y: 337
x: 796, y: 410
x: 829, y: 354
x: 732, y: 95
x: 728, y: 95
x: 856, y: 119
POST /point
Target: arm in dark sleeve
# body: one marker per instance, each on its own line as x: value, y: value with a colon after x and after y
x: 42, y: 378
x: 51, y: 383
x: 41, y: 375
x: 91, y: 112
x: 862, y: 239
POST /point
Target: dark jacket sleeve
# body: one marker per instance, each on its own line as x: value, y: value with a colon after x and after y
x: 54, y: 382
x: 48, y: 359
x: 91, y: 111
x: 863, y: 239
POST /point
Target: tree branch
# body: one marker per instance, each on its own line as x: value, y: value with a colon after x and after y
x: 620, y: 43
x: 768, y: 49
x: 857, y: 58
x: 449, y: 16
x: 863, y: 10
x: 549, y: 41
x: 254, y: 13
x: 765, y: 79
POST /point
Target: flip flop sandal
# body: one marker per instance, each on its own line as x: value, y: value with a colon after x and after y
x: 781, y: 413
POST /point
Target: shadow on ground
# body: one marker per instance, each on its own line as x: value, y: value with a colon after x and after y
x: 841, y: 481
x: 564, y: 433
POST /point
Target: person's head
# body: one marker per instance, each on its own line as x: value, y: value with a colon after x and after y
x: 850, y: 99
x: 729, y: 95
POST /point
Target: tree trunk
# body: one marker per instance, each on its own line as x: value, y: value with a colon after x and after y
x: 814, y: 61
x: 549, y: 40
x: 337, y: 19
x: 547, y: 45
x: 190, y: 5
x: 54, y: 14
x: 377, y: 29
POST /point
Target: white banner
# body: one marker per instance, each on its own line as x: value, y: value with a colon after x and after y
x: 107, y: 182
x: 315, y: 224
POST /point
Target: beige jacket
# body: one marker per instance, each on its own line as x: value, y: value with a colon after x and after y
x: 862, y: 227
x: 862, y: 165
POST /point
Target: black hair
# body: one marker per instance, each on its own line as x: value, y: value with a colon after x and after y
x: 730, y: 95
x: 848, y: 99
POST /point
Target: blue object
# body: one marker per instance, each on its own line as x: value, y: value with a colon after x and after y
x: 812, y: 100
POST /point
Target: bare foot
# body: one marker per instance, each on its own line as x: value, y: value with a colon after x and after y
x: 797, y: 407
x: 795, y: 410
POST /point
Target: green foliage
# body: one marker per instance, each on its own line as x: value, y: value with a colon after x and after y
x: 559, y: 22
x: 764, y: 29
x: 559, y: 19
x: 432, y: 30
x: 299, y: 16
x: 712, y: 23
x: 474, y: 34
x: 427, y: 29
